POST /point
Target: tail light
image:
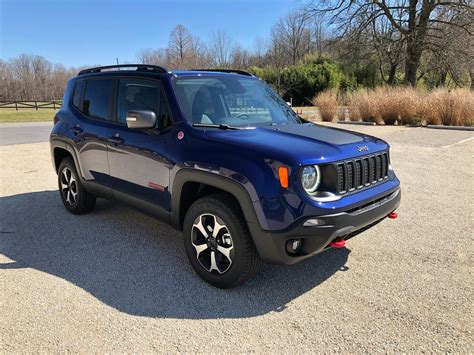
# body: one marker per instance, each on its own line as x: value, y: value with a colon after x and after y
x: 55, y: 119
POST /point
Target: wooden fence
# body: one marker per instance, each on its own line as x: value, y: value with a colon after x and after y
x: 17, y: 105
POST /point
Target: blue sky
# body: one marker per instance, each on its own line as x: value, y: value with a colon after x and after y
x: 76, y: 33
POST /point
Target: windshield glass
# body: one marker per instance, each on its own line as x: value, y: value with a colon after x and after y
x: 231, y: 100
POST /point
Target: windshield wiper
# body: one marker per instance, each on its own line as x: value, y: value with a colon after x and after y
x: 220, y: 126
x: 278, y: 123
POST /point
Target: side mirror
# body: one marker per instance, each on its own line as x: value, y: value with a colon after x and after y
x: 139, y: 119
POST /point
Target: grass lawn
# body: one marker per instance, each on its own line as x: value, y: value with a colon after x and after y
x: 26, y: 115
x: 31, y: 115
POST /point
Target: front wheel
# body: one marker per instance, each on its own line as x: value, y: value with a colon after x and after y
x: 217, y: 242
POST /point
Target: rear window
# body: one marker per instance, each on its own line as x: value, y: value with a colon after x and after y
x: 96, y: 103
x: 76, y: 101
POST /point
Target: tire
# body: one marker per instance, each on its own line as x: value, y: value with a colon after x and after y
x: 232, y: 239
x: 74, y: 196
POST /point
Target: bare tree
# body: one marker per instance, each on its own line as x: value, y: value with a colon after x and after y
x: 199, y: 55
x: 260, y: 49
x: 388, y: 47
x: 414, y: 20
x: 153, y: 56
x: 221, y: 47
x: 180, y: 46
x: 240, y: 57
x: 7, y: 82
x: 293, y: 33
x: 30, y: 77
x: 448, y: 56
x: 318, y: 37
x: 277, y: 57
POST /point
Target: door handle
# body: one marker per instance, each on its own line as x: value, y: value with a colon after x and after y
x: 76, y: 129
x: 115, y: 139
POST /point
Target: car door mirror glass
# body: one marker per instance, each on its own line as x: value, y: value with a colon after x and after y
x: 141, y: 119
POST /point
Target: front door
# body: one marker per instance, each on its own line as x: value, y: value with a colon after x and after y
x: 139, y: 159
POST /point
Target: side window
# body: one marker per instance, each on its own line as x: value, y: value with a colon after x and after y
x: 97, y: 96
x: 76, y: 100
x: 142, y: 95
x: 137, y: 95
x: 164, y: 120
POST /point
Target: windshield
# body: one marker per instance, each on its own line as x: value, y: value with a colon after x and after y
x: 231, y: 100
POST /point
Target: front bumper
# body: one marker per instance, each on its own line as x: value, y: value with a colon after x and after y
x: 272, y: 245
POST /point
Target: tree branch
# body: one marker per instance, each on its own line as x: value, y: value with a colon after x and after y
x: 383, y: 6
x: 451, y: 23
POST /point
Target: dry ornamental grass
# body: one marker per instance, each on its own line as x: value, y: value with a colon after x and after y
x: 327, y: 102
x: 402, y: 105
x: 363, y: 105
x: 454, y: 108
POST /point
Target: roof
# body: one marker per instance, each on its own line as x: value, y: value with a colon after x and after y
x: 148, y: 68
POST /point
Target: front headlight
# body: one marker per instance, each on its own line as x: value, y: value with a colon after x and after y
x: 310, y: 178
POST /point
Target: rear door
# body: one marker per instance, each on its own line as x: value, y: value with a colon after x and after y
x: 140, y: 159
x: 93, y: 104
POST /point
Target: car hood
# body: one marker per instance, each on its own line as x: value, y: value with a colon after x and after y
x: 302, y: 143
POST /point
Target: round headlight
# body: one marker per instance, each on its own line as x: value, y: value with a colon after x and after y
x: 310, y: 178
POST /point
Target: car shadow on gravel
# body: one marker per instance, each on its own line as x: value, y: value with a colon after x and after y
x: 137, y: 265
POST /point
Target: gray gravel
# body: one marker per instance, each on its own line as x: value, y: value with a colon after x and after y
x: 118, y: 280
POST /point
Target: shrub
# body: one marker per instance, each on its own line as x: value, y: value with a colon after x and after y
x: 327, y: 103
x: 303, y: 81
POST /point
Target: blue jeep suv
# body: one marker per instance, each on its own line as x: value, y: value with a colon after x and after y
x: 221, y: 157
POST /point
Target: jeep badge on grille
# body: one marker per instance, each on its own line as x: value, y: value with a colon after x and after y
x: 362, y: 148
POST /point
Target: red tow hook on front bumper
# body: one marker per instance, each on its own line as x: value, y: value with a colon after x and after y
x: 393, y: 215
x: 341, y: 243
x: 338, y: 244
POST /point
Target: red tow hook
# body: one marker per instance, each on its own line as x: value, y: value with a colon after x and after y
x: 338, y: 244
x: 393, y: 215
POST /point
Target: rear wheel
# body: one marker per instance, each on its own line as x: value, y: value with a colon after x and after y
x: 217, y: 242
x: 75, y: 198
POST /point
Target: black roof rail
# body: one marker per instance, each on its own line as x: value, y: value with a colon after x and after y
x: 140, y: 67
x: 236, y: 71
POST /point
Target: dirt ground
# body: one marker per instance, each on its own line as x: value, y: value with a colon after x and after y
x: 118, y: 280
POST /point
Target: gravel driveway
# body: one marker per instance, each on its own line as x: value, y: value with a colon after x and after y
x: 118, y: 280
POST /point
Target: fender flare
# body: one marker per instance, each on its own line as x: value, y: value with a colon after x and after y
x: 224, y: 183
x: 56, y: 142
x: 99, y: 190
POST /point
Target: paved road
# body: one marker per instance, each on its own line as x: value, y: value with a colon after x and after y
x: 21, y: 133
x: 116, y: 280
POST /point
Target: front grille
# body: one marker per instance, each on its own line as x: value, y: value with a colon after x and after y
x: 361, y: 172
